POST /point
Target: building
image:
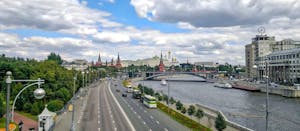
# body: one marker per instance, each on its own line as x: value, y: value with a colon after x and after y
x: 256, y: 53
x: 118, y: 64
x: 249, y: 55
x: 284, y: 66
x: 161, y: 65
x: 285, y: 44
x: 77, y: 64
x: 99, y: 62
x: 206, y: 64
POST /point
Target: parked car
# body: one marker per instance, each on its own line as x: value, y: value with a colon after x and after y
x: 117, y: 90
x: 124, y: 94
x: 272, y: 84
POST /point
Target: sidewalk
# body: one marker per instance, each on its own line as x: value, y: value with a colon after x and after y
x: 27, y: 122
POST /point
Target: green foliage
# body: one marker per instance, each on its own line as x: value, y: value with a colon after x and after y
x: 27, y: 107
x: 191, y: 110
x: 183, y: 110
x: 58, y: 81
x: 35, y: 109
x: 220, y: 123
x: 2, y: 108
x: 179, y: 105
x: 199, y: 113
x: 172, y: 100
x: 56, y: 58
x: 55, y: 105
x: 193, y: 125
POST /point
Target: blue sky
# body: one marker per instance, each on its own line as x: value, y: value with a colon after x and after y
x: 214, y: 31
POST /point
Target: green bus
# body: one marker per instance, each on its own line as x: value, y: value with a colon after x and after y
x: 149, y: 101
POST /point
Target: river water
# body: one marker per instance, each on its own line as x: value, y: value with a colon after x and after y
x: 243, y: 107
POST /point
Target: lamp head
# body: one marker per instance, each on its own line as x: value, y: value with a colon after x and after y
x: 39, y: 93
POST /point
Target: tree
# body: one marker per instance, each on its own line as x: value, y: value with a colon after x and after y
x: 55, y: 105
x: 220, y: 123
x: 199, y: 114
x: 1, y: 106
x: 191, y: 110
x: 55, y: 58
x: 183, y: 110
x: 179, y: 105
x: 172, y: 101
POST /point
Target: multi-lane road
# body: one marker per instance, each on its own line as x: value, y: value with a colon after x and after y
x: 105, y: 109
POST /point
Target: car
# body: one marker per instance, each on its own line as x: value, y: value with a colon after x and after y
x: 124, y: 95
x: 117, y: 90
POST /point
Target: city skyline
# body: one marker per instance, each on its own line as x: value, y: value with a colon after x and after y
x: 212, y: 31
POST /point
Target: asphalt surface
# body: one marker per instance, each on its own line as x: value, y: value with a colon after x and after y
x: 151, y: 119
x: 105, y: 109
x: 102, y: 112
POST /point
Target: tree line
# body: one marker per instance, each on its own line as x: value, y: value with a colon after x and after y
x: 58, y: 83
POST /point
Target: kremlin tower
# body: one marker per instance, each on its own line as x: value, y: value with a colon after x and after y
x: 99, y: 63
x: 161, y: 65
x: 118, y: 64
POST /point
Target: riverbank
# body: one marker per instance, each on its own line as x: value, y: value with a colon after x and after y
x: 280, y: 90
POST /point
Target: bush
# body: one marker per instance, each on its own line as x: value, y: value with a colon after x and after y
x: 172, y: 101
x: 55, y: 105
x: 191, y: 110
x: 27, y: 107
x: 35, y: 109
x: 179, y: 105
x: 183, y: 110
x: 199, y: 113
x: 220, y: 123
x: 193, y: 125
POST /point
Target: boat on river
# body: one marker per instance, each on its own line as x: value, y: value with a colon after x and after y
x: 223, y: 85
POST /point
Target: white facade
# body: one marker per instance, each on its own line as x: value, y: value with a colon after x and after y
x: 284, y: 66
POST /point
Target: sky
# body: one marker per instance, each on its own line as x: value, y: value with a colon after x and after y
x: 200, y: 30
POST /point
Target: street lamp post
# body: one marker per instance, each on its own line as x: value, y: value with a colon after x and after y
x: 8, y: 82
x: 267, y: 93
x: 165, y: 83
x: 73, y: 111
x: 82, y: 78
x: 38, y: 93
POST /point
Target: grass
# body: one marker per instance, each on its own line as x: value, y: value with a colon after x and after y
x: 28, y: 115
x: 182, y: 119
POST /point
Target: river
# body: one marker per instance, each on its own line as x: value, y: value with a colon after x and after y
x: 243, y: 107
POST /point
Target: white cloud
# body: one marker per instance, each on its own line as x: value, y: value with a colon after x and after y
x: 212, y: 13
x: 113, y: 37
x: 69, y: 16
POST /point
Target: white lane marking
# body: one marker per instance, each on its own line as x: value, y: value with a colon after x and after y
x: 98, y: 129
x: 115, y: 128
x: 122, y: 111
x: 144, y: 122
x: 139, y: 117
x: 150, y: 129
x: 151, y: 117
x: 166, y: 129
x: 113, y: 121
x: 145, y: 111
x: 157, y: 122
x: 134, y: 112
x: 98, y: 122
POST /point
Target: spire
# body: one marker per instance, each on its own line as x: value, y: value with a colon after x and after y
x: 112, y: 62
x: 118, y: 64
x: 99, y: 63
x: 161, y: 65
x: 106, y: 63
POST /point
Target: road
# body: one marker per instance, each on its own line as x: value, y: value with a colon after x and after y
x: 152, y: 119
x: 103, y: 112
x: 105, y: 109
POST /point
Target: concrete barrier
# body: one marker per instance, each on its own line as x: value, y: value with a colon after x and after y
x: 213, y: 113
